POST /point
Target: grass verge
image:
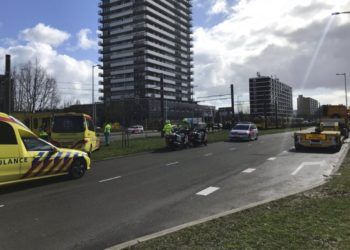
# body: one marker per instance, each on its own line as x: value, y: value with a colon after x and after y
x: 316, y: 219
x: 156, y: 143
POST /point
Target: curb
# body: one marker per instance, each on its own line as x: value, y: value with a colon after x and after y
x: 141, y: 239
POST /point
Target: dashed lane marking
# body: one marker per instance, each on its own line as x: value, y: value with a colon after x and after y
x: 271, y: 159
x: 1, y: 206
x: 110, y: 179
x: 172, y: 163
x: 232, y: 149
x: 209, y: 154
x: 207, y: 191
x: 306, y: 164
x: 248, y: 170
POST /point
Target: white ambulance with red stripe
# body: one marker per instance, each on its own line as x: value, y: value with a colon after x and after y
x: 24, y: 156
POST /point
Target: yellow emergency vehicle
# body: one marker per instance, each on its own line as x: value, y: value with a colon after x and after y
x: 36, y: 122
x: 331, y: 132
x: 24, y: 156
x: 74, y: 130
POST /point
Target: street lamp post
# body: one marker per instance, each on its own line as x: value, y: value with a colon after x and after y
x: 93, y: 104
x: 338, y: 13
x: 346, y: 91
x: 343, y: 74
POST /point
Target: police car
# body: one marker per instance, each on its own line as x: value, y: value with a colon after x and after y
x: 24, y: 156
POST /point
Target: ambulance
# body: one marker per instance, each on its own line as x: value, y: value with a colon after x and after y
x: 75, y: 131
x: 24, y: 156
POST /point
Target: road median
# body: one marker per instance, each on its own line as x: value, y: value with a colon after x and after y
x: 151, y: 144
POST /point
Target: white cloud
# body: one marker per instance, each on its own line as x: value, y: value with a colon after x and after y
x: 42, y: 33
x: 73, y: 76
x: 219, y: 6
x: 84, y: 41
x: 274, y: 37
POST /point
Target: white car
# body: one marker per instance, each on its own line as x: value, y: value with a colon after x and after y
x: 136, y: 129
x: 244, y: 131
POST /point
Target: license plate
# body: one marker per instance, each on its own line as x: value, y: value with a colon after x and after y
x: 315, y: 137
x: 315, y: 143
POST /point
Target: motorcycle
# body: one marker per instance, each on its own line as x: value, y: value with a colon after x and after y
x: 198, y: 137
x: 177, y: 139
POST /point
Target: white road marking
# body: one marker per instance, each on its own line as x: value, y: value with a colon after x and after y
x: 209, y: 154
x: 232, y: 149
x: 1, y: 206
x: 172, y: 163
x: 271, y: 159
x: 285, y: 152
x: 249, y: 170
x: 207, y: 191
x: 306, y: 164
x: 110, y: 179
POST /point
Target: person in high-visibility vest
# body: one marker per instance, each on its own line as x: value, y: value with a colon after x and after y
x: 168, y: 128
x: 43, y: 135
x: 107, y: 133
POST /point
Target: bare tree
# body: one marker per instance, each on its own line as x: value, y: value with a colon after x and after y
x: 34, y: 88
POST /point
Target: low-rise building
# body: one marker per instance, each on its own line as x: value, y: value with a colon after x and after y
x: 270, y: 97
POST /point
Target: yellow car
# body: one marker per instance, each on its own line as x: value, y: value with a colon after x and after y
x: 24, y: 156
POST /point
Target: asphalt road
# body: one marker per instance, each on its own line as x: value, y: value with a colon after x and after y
x: 121, y: 199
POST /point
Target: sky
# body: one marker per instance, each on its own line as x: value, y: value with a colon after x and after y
x: 297, y: 41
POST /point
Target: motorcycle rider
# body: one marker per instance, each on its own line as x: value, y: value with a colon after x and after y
x: 184, y: 129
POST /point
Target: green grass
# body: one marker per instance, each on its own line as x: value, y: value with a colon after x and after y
x: 115, y: 149
x: 316, y: 219
x: 156, y: 143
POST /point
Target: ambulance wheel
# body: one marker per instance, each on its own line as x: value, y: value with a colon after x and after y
x: 77, y: 169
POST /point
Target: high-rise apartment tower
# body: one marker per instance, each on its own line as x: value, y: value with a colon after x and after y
x: 144, y: 43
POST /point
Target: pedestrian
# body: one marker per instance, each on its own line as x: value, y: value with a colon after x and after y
x: 43, y: 135
x: 168, y: 128
x: 107, y: 133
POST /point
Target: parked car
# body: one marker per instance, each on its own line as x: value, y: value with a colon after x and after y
x: 244, y: 131
x: 217, y: 126
x: 136, y: 129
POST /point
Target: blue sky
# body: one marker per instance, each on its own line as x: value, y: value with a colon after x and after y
x: 233, y: 39
x: 70, y: 16
x: 67, y: 15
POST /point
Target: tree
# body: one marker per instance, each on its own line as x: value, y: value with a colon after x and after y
x: 34, y: 88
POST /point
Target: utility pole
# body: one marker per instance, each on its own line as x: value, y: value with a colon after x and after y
x: 93, y: 104
x: 162, y: 103
x: 8, y: 105
x: 276, y: 115
x: 265, y: 118
x: 232, y: 104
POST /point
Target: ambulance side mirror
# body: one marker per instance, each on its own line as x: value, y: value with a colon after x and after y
x: 53, y: 151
